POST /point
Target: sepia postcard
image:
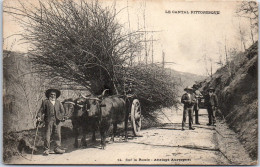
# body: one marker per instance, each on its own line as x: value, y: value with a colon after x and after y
x: 134, y: 82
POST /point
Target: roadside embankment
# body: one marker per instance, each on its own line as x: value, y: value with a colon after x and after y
x: 236, y: 88
x: 230, y: 146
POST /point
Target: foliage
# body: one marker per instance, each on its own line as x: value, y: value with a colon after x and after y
x: 249, y: 9
x: 80, y: 42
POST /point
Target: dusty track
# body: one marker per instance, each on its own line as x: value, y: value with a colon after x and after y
x: 160, y: 145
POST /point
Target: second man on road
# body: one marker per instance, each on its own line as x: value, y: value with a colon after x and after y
x: 188, y: 99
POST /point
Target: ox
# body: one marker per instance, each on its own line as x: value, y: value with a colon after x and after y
x: 108, y: 110
x: 77, y: 111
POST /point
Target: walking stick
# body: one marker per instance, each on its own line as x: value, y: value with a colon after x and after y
x: 37, y: 125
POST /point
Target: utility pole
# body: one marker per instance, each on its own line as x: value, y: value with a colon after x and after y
x: 163, y: 59
x: 129, y: 26
x: 139, y: 53
x: 152, y: 47
x: 226, y: 50
x: 241, y: 38
x: 145, y: 44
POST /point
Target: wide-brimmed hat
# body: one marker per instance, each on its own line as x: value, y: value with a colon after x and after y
x: 195, y: 86
x: 188, y: 88
x: 211, y: 89
x: 47, y: 93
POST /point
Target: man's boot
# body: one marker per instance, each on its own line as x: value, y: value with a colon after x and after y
x: 57, y: 150
x: 46, y: 152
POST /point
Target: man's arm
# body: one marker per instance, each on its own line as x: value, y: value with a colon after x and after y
x: 40, y: 112
x: 62, y: 109
x: 184, y: 99
x: 206, y: 97
x: 216, y: 100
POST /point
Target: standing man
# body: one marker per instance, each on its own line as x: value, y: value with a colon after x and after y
x: 211, y: 102
x: 188, y: 99
x: 198, y: 95
x: 52, y: 112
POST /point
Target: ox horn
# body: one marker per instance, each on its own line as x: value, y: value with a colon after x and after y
x: 69, y: 102
x: 94, y: 98
x: 103, y: 93
x: 85, y: 97
x: 90, y: 98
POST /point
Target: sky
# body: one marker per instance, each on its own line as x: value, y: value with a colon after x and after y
x: 185, y: 39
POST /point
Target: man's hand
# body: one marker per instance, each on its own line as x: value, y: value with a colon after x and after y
x: 38, y: 121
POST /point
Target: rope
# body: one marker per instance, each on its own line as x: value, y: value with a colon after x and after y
x: 166, y: 116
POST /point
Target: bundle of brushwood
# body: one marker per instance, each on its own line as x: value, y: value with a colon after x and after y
x: 152, y: 86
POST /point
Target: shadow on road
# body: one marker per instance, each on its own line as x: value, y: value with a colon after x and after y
x: 171, y: 128
x: 205, y: 127
x: 193, y: 147
x: 178, y: 126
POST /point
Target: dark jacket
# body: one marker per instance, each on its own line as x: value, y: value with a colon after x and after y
x: 211, y: 101
x: 188, y: 102
x: 48, y: 110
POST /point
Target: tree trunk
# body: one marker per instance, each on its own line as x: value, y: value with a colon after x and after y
x: 252, y: 35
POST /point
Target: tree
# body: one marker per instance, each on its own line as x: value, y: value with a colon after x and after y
x: 82, y: 42
x: 249, y: 9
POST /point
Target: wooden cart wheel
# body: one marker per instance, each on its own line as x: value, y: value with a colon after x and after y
x: 136, y: 121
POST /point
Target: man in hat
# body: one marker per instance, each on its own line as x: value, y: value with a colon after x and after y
x: 188, y: 99
x: 52, y: 112
x: 211, y: 101
x: 198, y: 95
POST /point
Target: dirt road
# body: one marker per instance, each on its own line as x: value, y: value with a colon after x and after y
x: 160, y: 145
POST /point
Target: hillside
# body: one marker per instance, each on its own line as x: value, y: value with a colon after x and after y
x: 236, y: 87
x: 185, y: 79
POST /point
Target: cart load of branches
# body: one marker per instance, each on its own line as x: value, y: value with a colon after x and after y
x: 82, y: 42
x: 153, y: 86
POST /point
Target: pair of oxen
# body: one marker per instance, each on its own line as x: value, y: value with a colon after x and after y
x: 92, y: 113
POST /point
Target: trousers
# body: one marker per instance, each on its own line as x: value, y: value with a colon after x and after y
x: 187, y: 111
x: 53, y: 126
x: 196, y: 111
x: 212, y: 114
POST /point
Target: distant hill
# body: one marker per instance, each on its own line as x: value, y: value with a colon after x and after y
x: 185, y: 79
